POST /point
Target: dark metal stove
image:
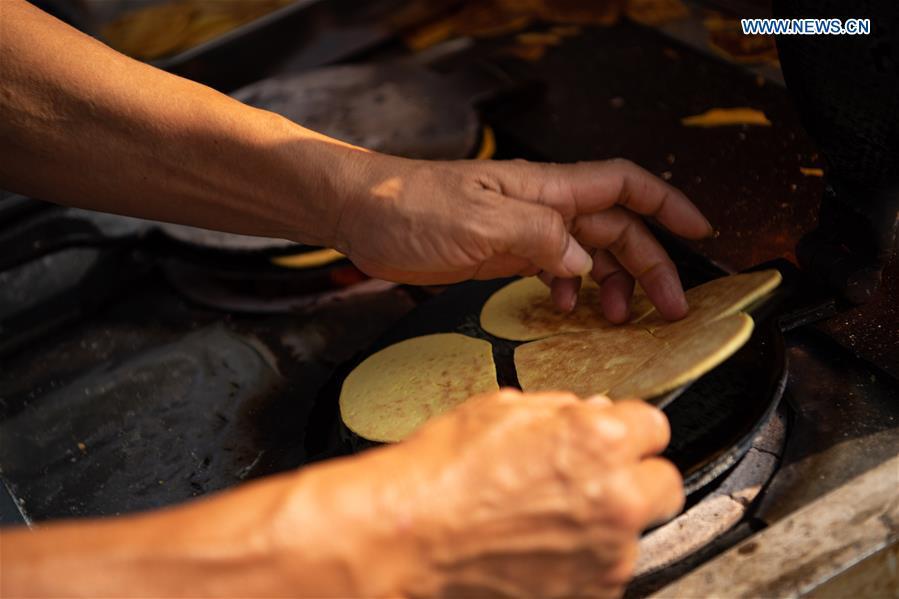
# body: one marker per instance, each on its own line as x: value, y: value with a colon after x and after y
x: 141, y: 398
x: 132, y: 397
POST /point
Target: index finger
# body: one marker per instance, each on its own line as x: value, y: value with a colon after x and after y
x: 595, y: 186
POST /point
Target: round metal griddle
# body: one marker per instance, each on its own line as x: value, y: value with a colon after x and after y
x: 713, y: 420
x: 55, y: 229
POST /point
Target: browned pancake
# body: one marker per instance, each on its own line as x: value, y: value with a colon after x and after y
x: 713, y: 300
x: 585, y: 363
x: 524, y: 310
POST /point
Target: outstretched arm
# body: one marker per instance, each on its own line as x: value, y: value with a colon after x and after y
x: 546, y: 497
x: 86, y: 126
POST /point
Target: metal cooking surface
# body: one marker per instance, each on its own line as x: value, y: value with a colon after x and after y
x: 713, y: 421
x: 148, y: 401
x: 393, y: 108
x: 173, y: 420
x: 622, y: 91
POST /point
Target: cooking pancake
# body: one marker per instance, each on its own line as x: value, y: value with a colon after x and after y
x: 524, y: 311
x: 686, y: 357
x: 628, y: 360
x: 394, y: 391
x: 713, y: 300
x: 585, y: 363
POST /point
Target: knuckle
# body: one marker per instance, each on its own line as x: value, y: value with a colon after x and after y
x: 672, y: 476
x: 620, y: 244
x: 630, y: 509
x: 621, y: 163
x: 611, y: 434
x: 550, y: 229
x: 570, y: 413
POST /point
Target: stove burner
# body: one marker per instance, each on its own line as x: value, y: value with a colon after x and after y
x: 103, y: 442
x: 722, y: 508
x: 277, y: 291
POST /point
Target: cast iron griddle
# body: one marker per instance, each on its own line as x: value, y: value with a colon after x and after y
x: 713, y: 421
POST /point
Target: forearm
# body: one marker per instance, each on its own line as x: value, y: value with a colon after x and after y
x: 168, y: 553
x: 85, y: 126
x: 311, y: 533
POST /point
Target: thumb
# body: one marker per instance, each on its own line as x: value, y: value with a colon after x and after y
x: 538, y: 233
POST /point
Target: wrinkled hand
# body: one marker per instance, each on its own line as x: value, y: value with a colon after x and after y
x: 441, y: 222
x: 513, y: 495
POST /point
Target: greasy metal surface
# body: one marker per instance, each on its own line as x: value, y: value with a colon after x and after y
x: 875, y: 576
x: 808, y: 548
x: 872, y: 330
x: 183, y: 415
x: 846, y: 421
x: 846, y: 88
x: 149, y: 401
x: 622, y: 91
x: 297, y: 40
x: 394, y: 108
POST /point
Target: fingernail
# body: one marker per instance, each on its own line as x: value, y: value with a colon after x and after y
x: 711, y: 229
x: 576, y: 260
x: 571, y: 303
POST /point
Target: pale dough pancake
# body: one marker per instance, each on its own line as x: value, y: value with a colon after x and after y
x: 686, y: 357
x: 713, y: 300
x: 628, y: 361
x: 584, y: 363
x: 396, y: 390
x: 649, y: 356
x: 524, y: 310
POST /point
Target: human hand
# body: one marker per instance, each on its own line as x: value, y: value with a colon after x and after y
x: 441, y: 222
x: 507, y: 495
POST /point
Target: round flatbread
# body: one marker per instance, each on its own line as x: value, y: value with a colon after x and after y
x: 585, y: 363
x: 713, y: 300
x: 686, y: 357
x: 396, y: 390
x: 629, y: 361
x: 524, y: 311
